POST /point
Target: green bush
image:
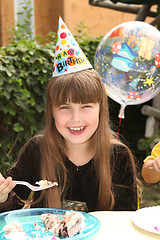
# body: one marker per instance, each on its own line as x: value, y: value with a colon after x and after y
x: 25, y: 68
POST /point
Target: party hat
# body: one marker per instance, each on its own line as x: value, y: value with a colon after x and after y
x: 69, y: 57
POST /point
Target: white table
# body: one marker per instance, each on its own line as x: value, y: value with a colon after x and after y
x: 119, y: 225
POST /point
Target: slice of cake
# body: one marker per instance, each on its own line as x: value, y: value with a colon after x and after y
x: 13, y: 230
x: 50, y: 220
x: 71, y: 224
x: 45, y: 183
x: 12, y: 227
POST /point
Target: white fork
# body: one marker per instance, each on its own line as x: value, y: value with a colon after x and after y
x: 35, y: 188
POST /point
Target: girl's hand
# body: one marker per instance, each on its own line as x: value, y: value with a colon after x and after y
x: 156, y: 164
x: 151, y: 170
x: 6, y: 185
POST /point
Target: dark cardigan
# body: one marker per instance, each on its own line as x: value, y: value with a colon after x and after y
x: 82, y: 184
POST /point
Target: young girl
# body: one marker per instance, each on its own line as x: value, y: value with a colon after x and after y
x: 151, y: 166
x: 77, y: 148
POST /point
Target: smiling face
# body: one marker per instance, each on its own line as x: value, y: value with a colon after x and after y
x: 77, y: 109
x: 76, y: 122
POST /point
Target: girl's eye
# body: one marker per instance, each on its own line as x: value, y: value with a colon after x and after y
x: 87, y: 106
x: 64, y: 107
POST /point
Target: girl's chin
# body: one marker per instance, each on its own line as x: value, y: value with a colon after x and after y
x: 77, y: 141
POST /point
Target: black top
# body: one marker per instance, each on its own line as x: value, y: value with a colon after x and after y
x: 82, y: 184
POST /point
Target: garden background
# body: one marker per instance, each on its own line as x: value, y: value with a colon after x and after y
x: 25, y: 68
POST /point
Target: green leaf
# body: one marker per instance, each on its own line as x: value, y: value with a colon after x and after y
x: 25, y: 94
x: 17, y: 127
x: 7, y: 94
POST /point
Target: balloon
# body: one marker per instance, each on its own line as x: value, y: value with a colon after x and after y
x: 128, y: 61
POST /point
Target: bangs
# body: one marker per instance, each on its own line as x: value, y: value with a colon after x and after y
x: 76, y: 88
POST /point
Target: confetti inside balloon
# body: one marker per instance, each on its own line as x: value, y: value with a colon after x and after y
x: 128, y: 61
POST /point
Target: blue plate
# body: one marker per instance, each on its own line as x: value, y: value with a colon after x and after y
x: 26, y: 217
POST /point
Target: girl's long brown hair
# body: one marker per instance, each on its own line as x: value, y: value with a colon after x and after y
x: 79, y: 87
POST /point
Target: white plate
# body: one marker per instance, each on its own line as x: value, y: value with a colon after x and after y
x: 148, y: 219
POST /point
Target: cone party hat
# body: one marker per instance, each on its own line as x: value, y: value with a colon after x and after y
x: 69, y: 57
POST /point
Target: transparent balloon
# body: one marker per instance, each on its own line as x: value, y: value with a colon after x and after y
x: 128, y: 61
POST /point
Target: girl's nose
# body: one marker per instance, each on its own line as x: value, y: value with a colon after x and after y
x: 76, y: 115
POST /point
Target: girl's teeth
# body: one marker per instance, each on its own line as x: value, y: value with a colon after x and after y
x: 76, y: 129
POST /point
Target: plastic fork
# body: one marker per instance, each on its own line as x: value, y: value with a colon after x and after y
x: 35, y: 188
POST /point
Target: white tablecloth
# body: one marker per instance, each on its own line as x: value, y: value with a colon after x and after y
x: 119, y: 225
